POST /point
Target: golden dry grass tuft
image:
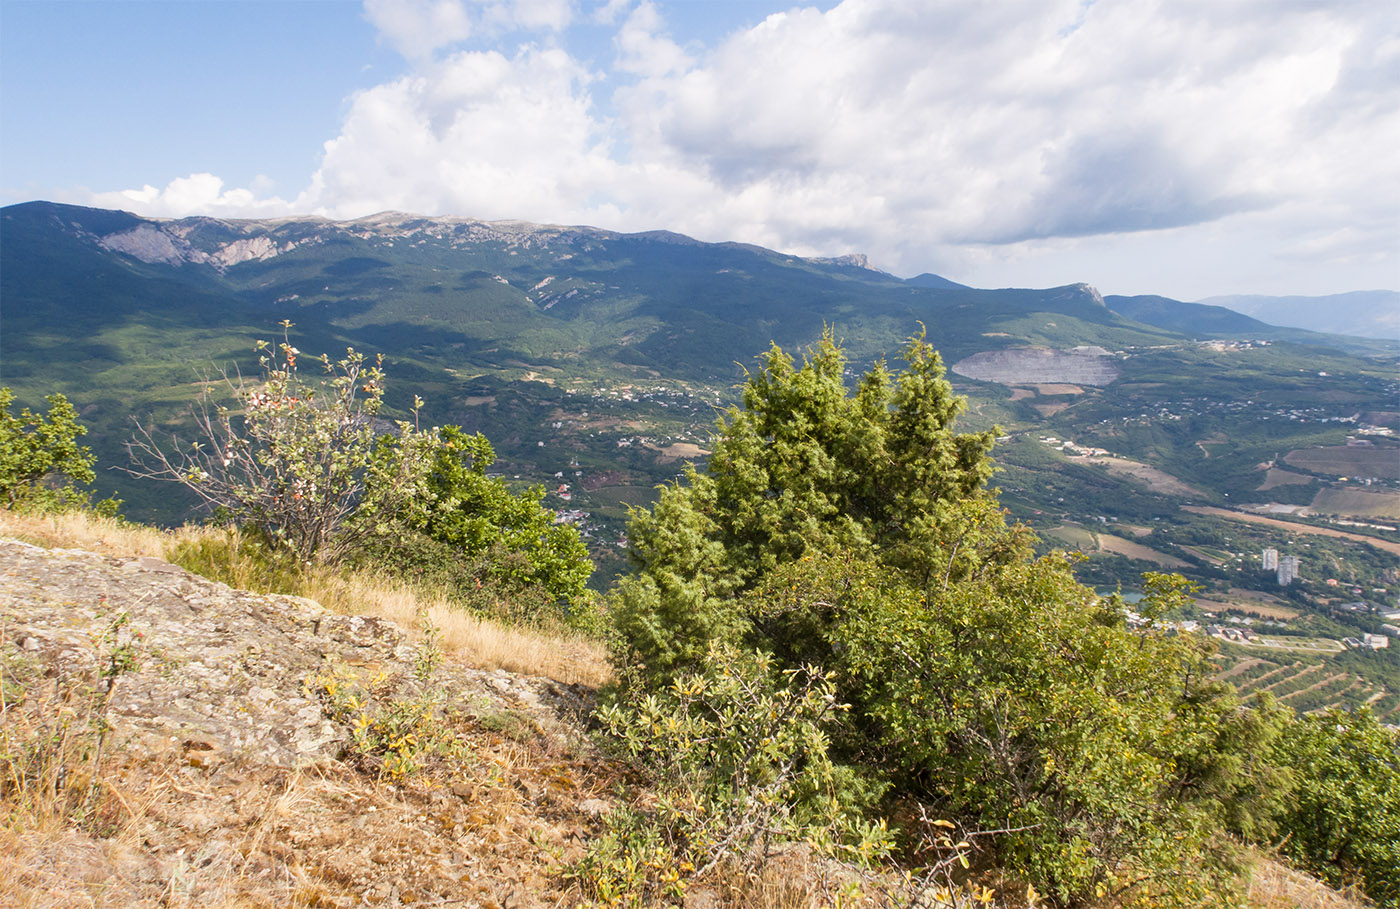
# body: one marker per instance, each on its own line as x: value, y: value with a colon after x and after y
x: 1273, y: 885
x: 474, y: 640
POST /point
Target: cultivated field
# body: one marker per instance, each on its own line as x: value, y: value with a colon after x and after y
x: 1349, y: 461
x: 1357, y: 503
x: 1151, y: 477
x: 1090, y: 542
x: 1276, y: 477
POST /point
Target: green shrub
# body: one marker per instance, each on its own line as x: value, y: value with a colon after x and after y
x: 1342, y: 821
x: 301, y: 461
x: 738, y: 756
x: 497, y: 552
x: 301, y: 465
x: 849, y: 536
x: 35, y: 450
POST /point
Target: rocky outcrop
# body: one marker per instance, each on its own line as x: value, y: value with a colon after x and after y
x: 220, y: 785
x: 224, y: 674
x: 158, y: 245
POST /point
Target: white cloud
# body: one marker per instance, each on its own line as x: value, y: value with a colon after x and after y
x: 416, y: 28
x: 419, y: 28
x: 196, y: 194
x: 1074, y: 140
x: 609, y: 12
x: 479, y: 133
x: 643, y: 48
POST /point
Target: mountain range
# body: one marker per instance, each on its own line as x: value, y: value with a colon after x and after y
x: 588, y: 354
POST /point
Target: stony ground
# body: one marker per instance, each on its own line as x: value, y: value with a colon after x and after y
x: 231, y: 773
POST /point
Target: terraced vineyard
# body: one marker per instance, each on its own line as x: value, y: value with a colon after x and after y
x: 1305, y: 685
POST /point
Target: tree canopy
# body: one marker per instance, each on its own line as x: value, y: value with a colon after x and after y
x: 35, y: 448
x: 851, y: 532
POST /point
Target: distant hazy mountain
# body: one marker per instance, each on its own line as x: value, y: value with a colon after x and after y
x: 1366, y: 313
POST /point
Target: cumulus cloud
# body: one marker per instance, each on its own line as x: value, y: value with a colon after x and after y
x: 980, y: 138
x: 196, y: 194
x: 644, y: 49
x: 480, y: 133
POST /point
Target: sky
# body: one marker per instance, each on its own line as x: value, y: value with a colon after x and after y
x: 1178, y: 147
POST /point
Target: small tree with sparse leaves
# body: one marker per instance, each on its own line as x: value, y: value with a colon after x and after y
x: 299, y: 459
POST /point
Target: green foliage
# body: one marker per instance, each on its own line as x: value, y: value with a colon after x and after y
x: 1343, y: 820
x: 475, y: 514
x: 805, y: 466
x: 302, y: 465
x: 630, y: 864
x: 391, y: 734
x: 740, y: 761
x: 1018, y: 701
x: 741, y: 750
x: 36, y: 448
x: 850, y: 537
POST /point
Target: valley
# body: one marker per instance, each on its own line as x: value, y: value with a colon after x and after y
x: 1145, y: 433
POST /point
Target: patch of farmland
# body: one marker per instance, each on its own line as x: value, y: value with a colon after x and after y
x: 1357, y: 503
x: 1275, y: 477
x: 1249, y: 518
x: 1109, y: 543
x: 1239, y: 669
x: 1325, y: 683
x: 1349, y: 460
x: 1291, y: 681
x: 677, y: 451
x: 1090, y: 542
x: 1154, y: 479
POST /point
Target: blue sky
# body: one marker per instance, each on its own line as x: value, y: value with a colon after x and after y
x: 1175, y: 147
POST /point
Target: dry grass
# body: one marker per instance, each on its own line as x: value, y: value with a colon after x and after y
x: 477, y: 641
x: 1273, y: 885
x: 83, y: 530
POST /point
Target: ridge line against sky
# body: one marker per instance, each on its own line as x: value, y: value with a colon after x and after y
x: 1180, y: 148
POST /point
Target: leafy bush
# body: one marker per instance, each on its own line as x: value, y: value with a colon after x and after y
x: 301, y: 461
x: 739, y: 758
x: 805, y: 466
x: 512, y: 537
x: 36, y: 449
x: 1343, y: 819
x: 302, y: 464
x: 852, y: 533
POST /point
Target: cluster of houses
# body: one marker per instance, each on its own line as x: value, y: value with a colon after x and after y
x: 1069, y: 447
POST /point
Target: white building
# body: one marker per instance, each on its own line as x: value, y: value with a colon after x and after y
x: 1288, y: 570
x: 1270, y: 559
